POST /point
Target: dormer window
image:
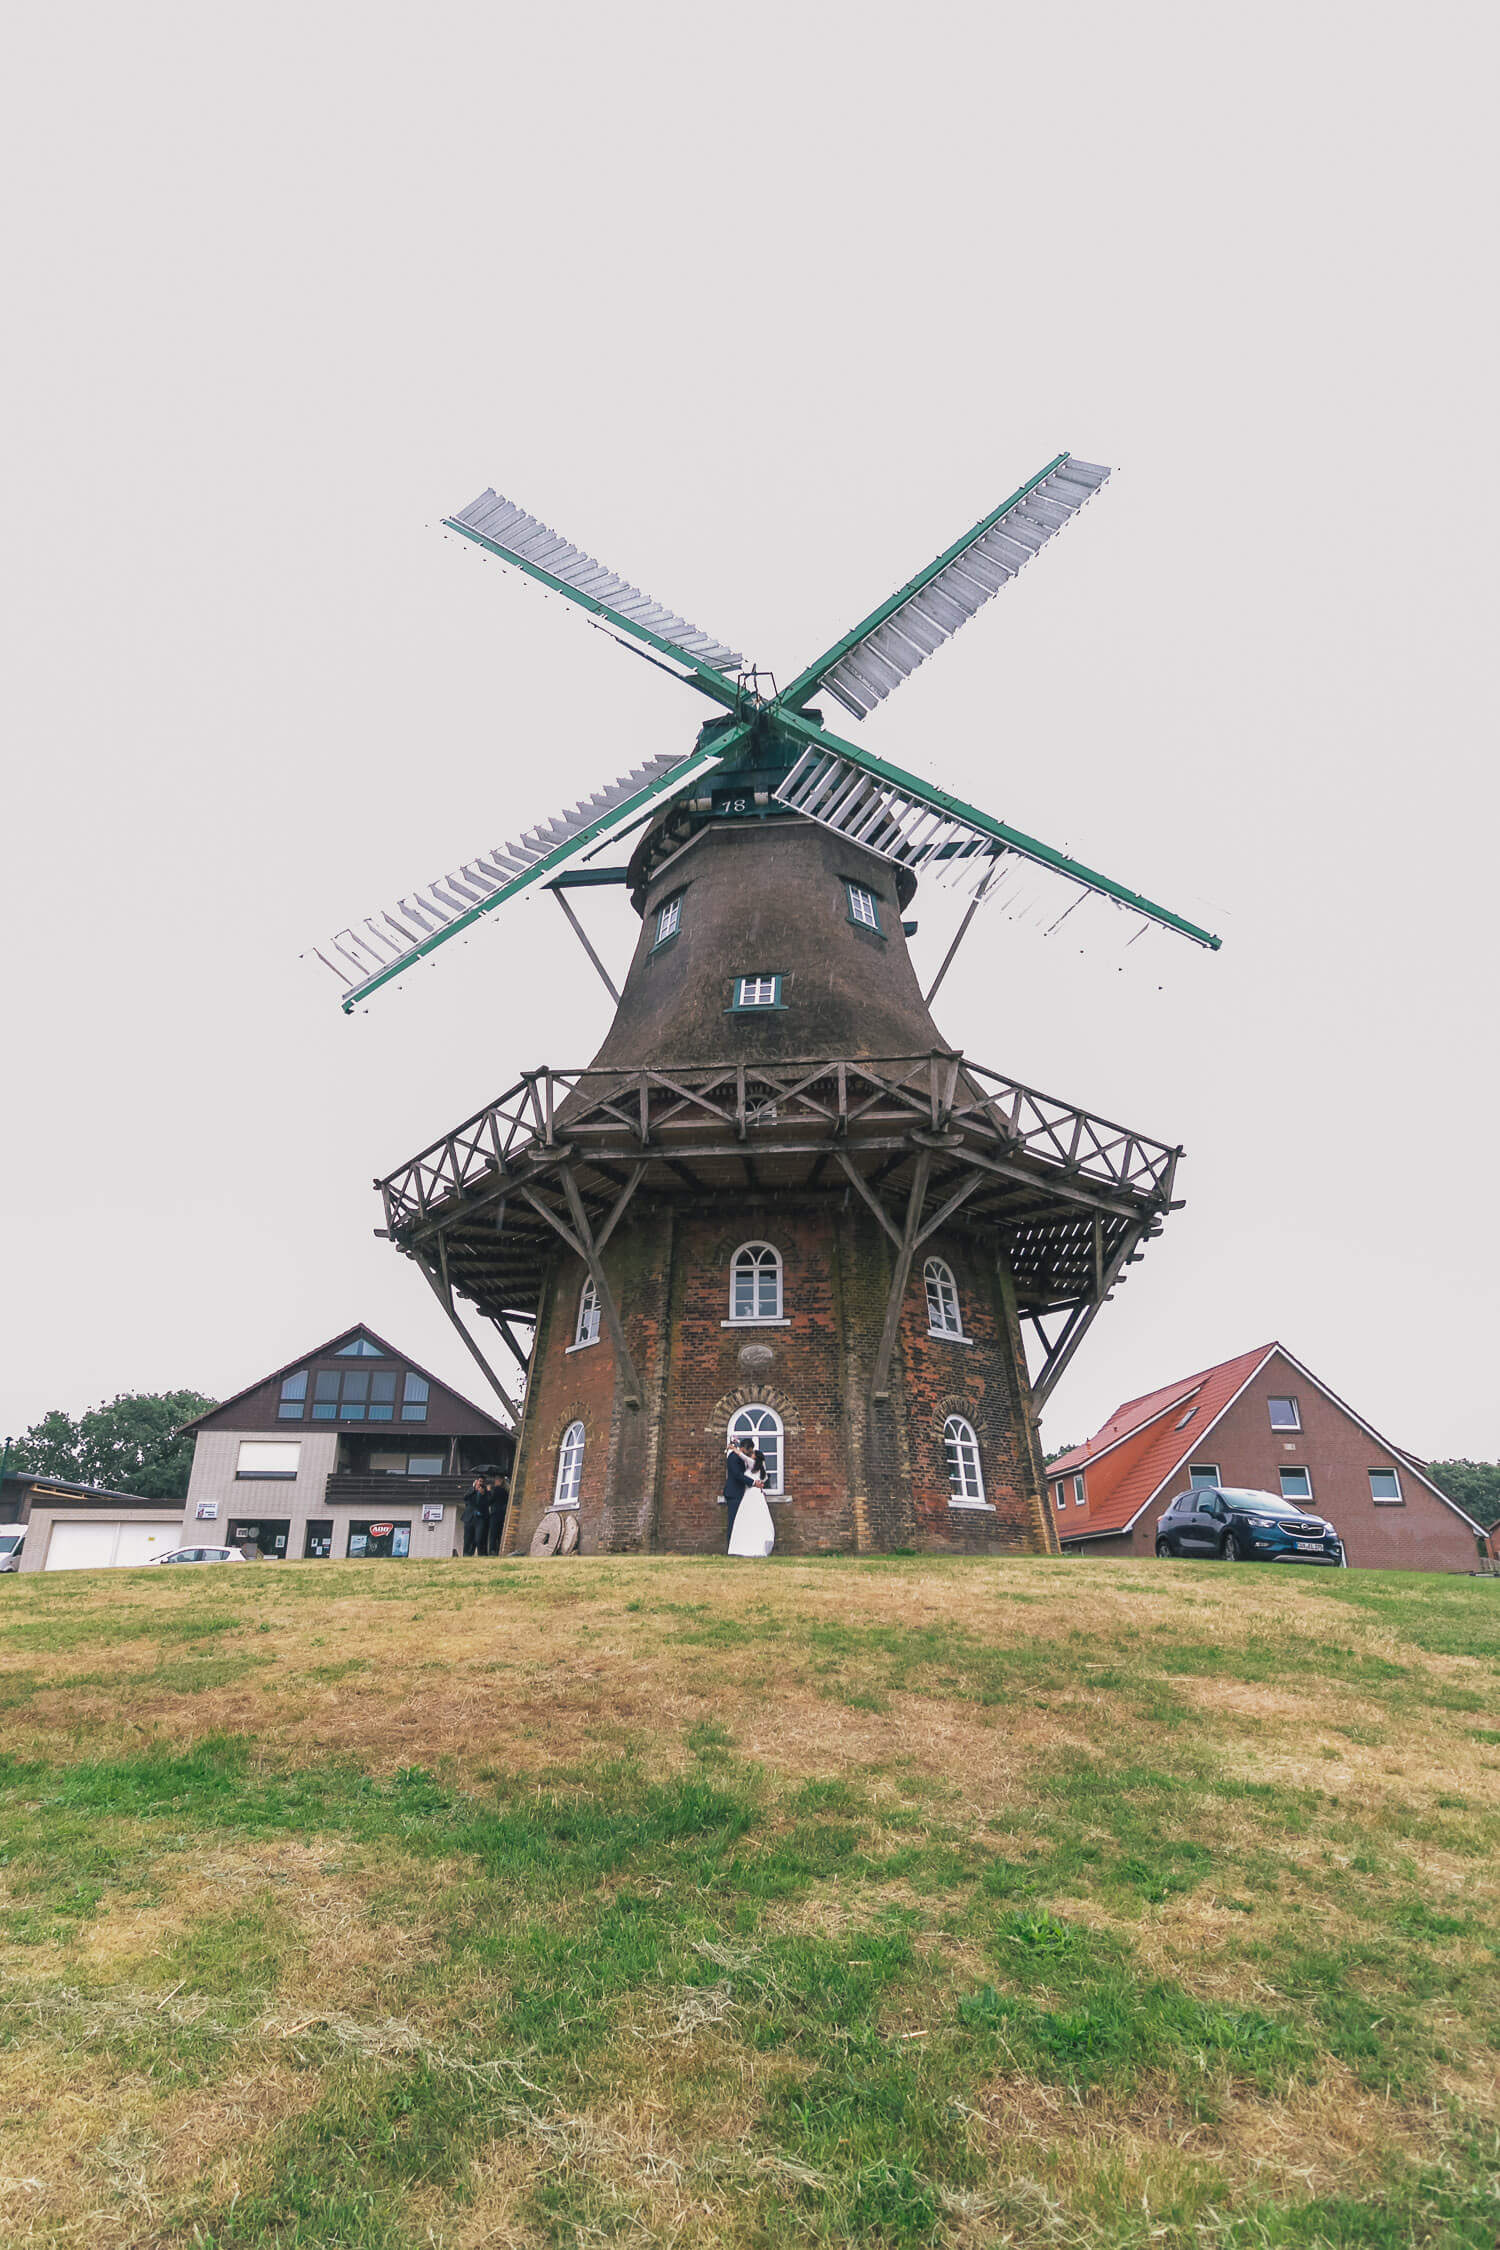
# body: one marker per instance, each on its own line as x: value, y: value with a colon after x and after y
x: 756, y: 991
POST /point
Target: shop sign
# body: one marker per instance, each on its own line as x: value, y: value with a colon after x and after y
x: 431, y: 1512
x: 381, y: 1530
x: 207, y: 1510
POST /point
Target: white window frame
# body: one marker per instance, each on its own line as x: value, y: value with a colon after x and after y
x: 755, y: 1431
x: 586, y: 1326
x: 1394, y: 1499
x: 757, y: 992
x: 1282, y: 1399
x: 1199, y: 1479
x: 758, y: 1319
x: 270, y: 1459
x: 1284, y: 1473
x: 864, y: 906
x: 940, y: 1303
x: 1059, y: 1493
x: 668, y: 919
x: 569, y: 1467
x: 1080, y: 1491
x: 959, y: 1434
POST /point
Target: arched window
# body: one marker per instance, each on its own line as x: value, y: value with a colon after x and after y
x: 755, y: 1282
x: 942, y: 1299
x: 965, y: 1477
x: 587, y: 1331
x: 569, y: 1467
x: 763, y: 1428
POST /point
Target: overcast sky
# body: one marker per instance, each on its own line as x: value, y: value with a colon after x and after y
x: 764, y: 306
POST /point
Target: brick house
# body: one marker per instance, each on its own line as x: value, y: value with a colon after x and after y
x: 351, y: 1449
x: 1264, y: 1421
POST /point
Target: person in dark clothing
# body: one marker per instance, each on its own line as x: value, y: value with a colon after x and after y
x: 499, y: 1501
x: 737, y: 1468
x: 476, y: 1517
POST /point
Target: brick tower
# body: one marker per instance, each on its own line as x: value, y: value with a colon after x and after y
x: 777, y: 1203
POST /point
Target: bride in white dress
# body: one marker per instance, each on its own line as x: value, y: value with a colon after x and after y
x: 753, y: 1533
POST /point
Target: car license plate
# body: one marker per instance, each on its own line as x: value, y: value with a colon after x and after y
x: 1310, y: 1546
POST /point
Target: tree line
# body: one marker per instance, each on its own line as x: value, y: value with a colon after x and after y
x: 133, y: 1443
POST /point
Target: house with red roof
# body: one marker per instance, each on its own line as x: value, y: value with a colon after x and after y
x: 1264, y: 1421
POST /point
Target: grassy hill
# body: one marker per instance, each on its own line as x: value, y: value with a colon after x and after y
x: 688, y: 1902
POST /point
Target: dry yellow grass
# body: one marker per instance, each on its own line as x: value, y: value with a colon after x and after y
x: 204, y: 2003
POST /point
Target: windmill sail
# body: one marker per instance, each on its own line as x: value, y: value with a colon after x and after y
x: 860, y: 670
x: 913, y: 824
x: 503, y: 529
x: 369, y: 953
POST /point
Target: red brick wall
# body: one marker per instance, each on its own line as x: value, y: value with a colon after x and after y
x: 856, y: 1476
x: 1421, y: 1533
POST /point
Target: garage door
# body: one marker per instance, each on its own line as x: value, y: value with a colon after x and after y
x: 140, y: 1541
x: 82, y: 1546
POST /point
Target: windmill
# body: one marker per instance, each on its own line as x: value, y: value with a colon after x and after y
x: 776, y: 1201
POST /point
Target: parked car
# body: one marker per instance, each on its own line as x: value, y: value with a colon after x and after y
x: 199, y: 1554
x: 12, y: 1538
x: 1240, y: 1525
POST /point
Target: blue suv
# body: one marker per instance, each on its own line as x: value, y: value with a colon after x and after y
x: 1239, y: 1525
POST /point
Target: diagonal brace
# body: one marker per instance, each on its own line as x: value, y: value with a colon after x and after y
x: 442, y: 1289
x: 580, y: 1240
x: 1107, y: 1273
x: 880, y: 1382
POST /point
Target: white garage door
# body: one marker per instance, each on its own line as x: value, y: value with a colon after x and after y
x: 82, y: 1546
x: 140, y: 1541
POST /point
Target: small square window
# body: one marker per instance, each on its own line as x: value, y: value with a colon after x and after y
x: 669, y: 919
x: 1284, y: 1415
x: 864, y: 908
x: 757, y: 992
x: 1202, y: 1474
x: 1296, y: 1484
x: 1385, y: 1485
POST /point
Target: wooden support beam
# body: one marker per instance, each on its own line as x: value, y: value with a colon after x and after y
x: 945, y: 1211
x: 581, y: 1242
x: 880, y: 1381
x: 617, y: 1209
x: 871, y: 1199
x: 583, y: 939
x: 439, y: 1284
x: 963, y: 931
x: 1083, y: 1315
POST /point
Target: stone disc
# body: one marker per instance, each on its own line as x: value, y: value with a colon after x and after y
x: 545, y: 1538
x: 569, y: 1536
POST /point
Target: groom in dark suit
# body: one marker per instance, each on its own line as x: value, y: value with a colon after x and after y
x: 736, y: 1477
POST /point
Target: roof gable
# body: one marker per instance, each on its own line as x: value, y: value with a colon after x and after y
x: 338, y: 1351
x: 1145, y: 1444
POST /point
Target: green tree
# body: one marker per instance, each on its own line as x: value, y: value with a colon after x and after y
x: 129, y: 1444
x: 1474, y: 1485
